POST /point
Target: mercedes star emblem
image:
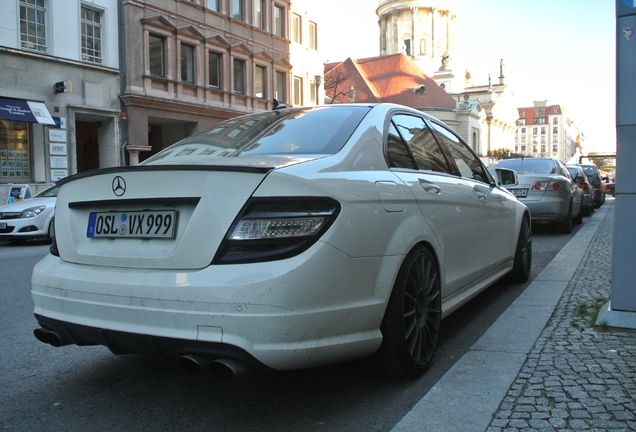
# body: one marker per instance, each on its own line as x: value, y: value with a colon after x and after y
x: 119, y: 186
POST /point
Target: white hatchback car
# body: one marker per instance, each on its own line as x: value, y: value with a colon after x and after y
x: 282, y: 240
x: 30, y: 218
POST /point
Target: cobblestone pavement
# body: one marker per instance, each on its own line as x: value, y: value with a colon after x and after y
x: 577, y: 377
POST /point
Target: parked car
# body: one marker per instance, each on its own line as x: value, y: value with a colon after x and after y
x: 594, y: 176
x: 546, y: 187
x: 579, y: 177
x: 610, y: 188
x: 282, y: 240
x: 30, y: 218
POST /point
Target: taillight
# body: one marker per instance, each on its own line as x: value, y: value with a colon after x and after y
x: 546, y: 186
x: 53, y: 248
x: 276, y: 228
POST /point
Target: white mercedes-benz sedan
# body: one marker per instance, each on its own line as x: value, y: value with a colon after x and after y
x: 283, y: 240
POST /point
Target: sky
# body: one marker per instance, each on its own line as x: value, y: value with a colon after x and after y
x: 562, y: 51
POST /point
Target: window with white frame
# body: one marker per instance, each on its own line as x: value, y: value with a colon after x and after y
x: 213, y: 5
x: 313, y: 90
x: 156, y: 51
x: 91, y: 35
x: 260, y: 82
x: 296, y: 28
x: 239, y: 76
x: 313, y: 36
x: 187, y: 63
x: 298, y: 91
x: 214, y: 69
x: 33, y: 25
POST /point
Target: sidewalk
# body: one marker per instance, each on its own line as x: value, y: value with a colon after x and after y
x: 542, y: 366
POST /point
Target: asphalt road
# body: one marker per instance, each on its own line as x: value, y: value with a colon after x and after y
x: 75, y: 389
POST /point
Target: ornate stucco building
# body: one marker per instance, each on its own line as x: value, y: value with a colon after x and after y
x: 423, y: 30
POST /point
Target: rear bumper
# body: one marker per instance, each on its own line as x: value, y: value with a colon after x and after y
x: 287, y: 314
x: 548, y: 209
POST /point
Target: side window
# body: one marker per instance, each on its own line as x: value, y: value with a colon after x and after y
x: 420, y: 141
x: 398, y: 153
x: 466, y: 161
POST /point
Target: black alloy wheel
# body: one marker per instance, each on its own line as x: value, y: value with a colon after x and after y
x: 411, y: 323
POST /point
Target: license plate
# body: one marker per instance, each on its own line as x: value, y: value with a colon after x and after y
x: 519, y: 192
x: 133, y: 224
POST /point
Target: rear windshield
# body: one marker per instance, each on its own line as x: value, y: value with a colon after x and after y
x: 286, y: 132
x: 529, y: 166
x: 590, y: 171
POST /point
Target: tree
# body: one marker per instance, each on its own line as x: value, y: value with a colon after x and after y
x: 334, y: 79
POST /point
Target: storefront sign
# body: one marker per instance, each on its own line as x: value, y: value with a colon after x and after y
x: 18, y: 193
x: 57, y: 149
x: 57, y: 135
x: 58, y: 174
x: 26, y: 111
x: 59, y: 162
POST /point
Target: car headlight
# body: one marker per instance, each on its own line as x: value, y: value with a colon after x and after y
x: 270, y: 229
x: 32, y: 212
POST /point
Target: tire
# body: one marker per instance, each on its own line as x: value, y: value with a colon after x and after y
x: 578, y: 219
x: 411, y: 323
x: 523, y: 254
x: 51, y: 231
x: 587, y: 211
x: 565, y: 226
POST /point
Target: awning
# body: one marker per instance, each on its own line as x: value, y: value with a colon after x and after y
x: 24, y: 110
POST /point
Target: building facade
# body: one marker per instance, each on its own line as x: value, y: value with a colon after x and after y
x: 545, y: 131
x: 499, y: 105
x: 118, y: 81
x: 61, y: 62
x: 190, y: 64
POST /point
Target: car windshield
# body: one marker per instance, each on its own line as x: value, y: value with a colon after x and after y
x: 47, y: 193
x: 286, y: 132
x: 529, y: 166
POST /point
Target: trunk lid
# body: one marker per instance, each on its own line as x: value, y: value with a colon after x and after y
x: 111, y: 217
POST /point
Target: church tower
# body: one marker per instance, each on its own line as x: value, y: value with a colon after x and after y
x: 423, y: 30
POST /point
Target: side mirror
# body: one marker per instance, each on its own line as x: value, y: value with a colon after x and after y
x: 505, y: 177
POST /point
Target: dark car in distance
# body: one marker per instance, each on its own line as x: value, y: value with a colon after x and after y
x: 578, y: 175
x: 594, y: 176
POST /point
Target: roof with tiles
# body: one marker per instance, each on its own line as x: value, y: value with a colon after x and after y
x: 390, y: 78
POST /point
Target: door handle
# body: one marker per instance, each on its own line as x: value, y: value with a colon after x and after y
x: 480, y: 194
x: 430, y: 187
